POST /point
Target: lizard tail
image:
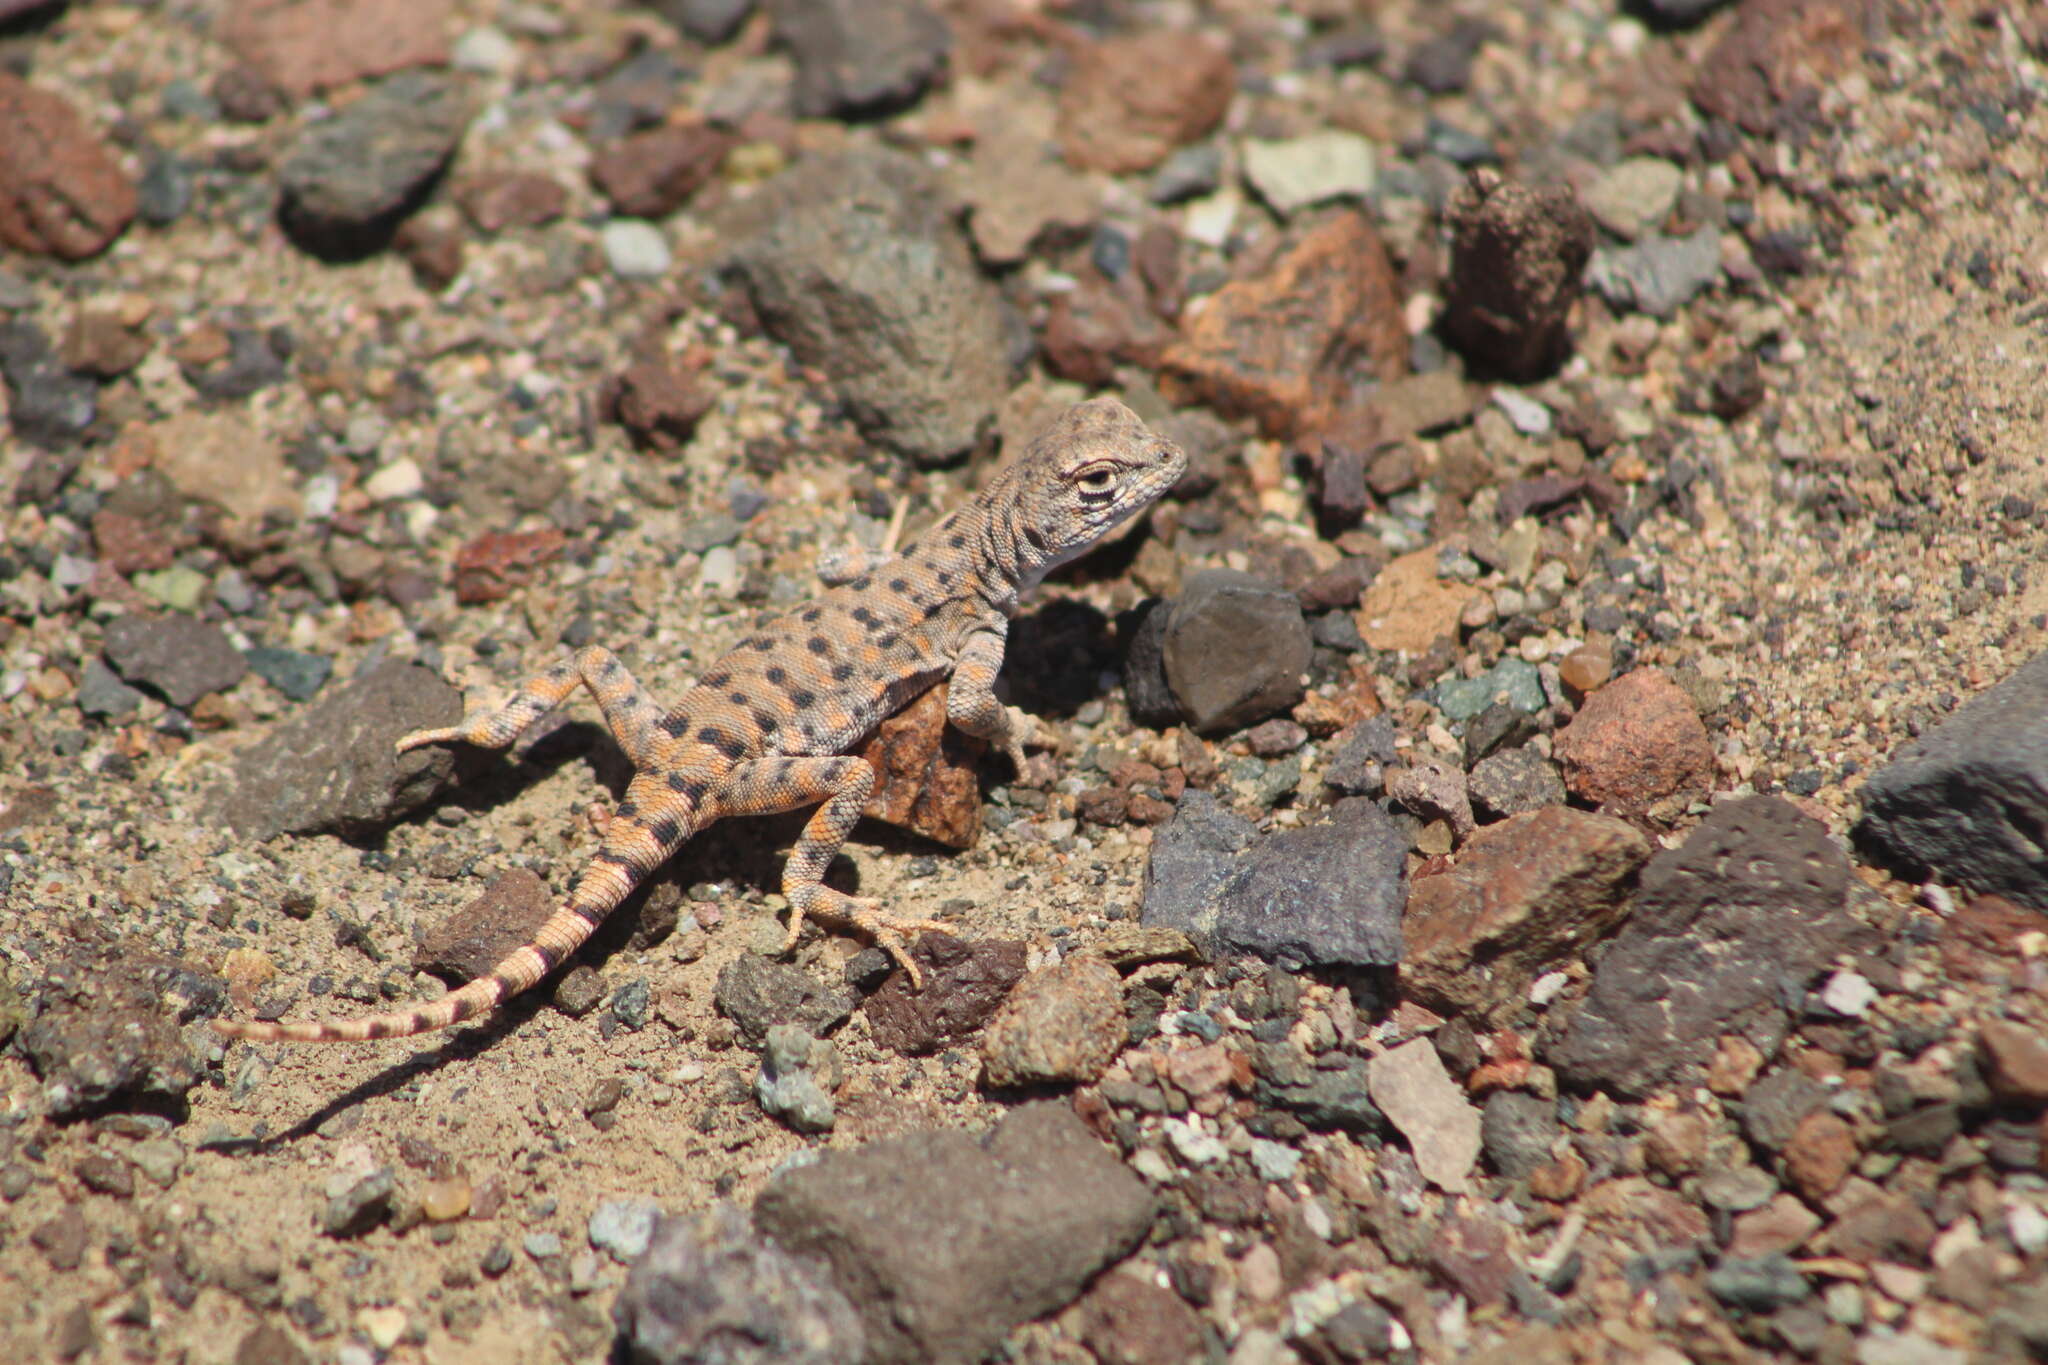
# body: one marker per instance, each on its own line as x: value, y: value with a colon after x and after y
x: 640, y: 838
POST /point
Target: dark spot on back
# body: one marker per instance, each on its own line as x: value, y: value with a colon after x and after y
x: 713, y: 737
x: 889, y: 641
x: 665, y: 832
x: 802, y: 699
x: 761, y: 644
x: 811, y: 615
x: 842, y: 672
x: 776, y: 674
x: 718, y: 679
x: 818, y: 644
x: 737, y: 698
x: 899, y: 586
x: 958, y: 540
x: 1035, y: 536
x: 863, y: 583
x: 675, y: 724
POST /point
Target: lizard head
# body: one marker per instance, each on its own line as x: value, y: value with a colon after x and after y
x: 1095, y: 467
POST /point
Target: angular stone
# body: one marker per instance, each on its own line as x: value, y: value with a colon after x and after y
x: 1128, y: 1320
x: 964, y: 982
x: 2016, y: 1060
x: 757, y: 994
x: 1775, y: 54
x: 945, y: 1243
x: 1131, y: 100
x: 925, y: 774
x: 1526, y: 895
x: 348, y: 181
x: 651, y: 174
x: 1329, y: 894
x: 62, y: 193
x: 300, y: 46
x: 1518, y: 781
x: 1726, y: 929
x: 861, y: 58
x: 1517, y: 256
x: 1288, y: 346
x: 856, y: 265
x: 1234, y: 648
x: 1444, y: 1130
x: 476, y: 938
x: 334, y: 766
x: 710, y: 1288
x: 223, y: 458
x: 1968, y: 801
x: 1635, y: 741
x: 1406, y: 609
x: 1063, y: 1025
x: 110, y: 1024
x: 181, y: 658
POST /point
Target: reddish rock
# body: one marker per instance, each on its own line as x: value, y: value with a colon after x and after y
x: 1526, y: 895
x: 497, y: 202
x: 1288, y: 345
x: 1883, y: 1227
x: 1063, y: 1024
x: 129, y: 544
x: 497, y: 562
x: 658, y: 401
x: 1126, y: 1320
x: 1821, y: 1154
x: 1637, y: 740
x: 476, y: 938
x: 300, y: 46
x: 964, y: 981
x: 1131, y: 100
x: 1980, y: 942
x: 1783, y: 1225
x: 1518, y: 255
x: 925, y: 774
x: 1092, y: 328
x: 2016, y: 1060
x: 433, y: 244
x: 654, y: 173
x: 1677, y: 1144
x: 1776, y: 53
x: 61, y: 191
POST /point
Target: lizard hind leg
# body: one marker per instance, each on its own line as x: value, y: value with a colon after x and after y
x: 629, y: 712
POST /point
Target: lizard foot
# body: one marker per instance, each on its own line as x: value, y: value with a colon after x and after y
x: 836, y: 909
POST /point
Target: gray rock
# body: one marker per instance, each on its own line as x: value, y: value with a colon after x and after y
x: 1512, y: 680
x: 757, y: 994
x: 1738, y: 1189
x: 295, y: 673
x: 1326, y: 1099
x: 348, y: 181
x: 48, y: 405
x: 1968, y: 801
x: 252, y: 364
x: 1187, y: 174
x: 1326, y: 895
x: 1727, y: 928
x: 861, y: 58
x: 623, y: 1228
x: 101, y: 693
x: 1515, y: 1132
x: 1657, y: 275
x: 361, y: 1206
x: 177, y: 656
x: 708, y: 21
x: 1514, y: 781
x: 1759, y: 1285
x: 635, y: 250
x: 1633, y: 196
x: 854, y: 263
x: 1359, y: 765
x: 109, y: 1023
x: 1145, y: 690
x: 946, y: 1243
x: 1773, y: 1106
x: 711, y: 1291
x: 787, y: 1086
x: 1233, y: 649
x: 334, y: 767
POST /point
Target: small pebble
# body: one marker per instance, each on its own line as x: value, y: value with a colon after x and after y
x: 635, y: 250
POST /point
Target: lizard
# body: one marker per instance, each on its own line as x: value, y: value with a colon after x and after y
x: 769, y: 727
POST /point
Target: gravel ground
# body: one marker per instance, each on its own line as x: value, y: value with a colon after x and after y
x: 1543, y: 849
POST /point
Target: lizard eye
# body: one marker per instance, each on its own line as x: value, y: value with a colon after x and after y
x: 1096, y: 481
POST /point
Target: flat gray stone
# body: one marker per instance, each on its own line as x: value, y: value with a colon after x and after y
x: 178, y: 657
x: 1968, y: 801
x: 1233, y: 648
x: 349, y: 180
x: 861, y: 58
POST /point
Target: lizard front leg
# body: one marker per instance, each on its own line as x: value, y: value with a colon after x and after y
x: 765, y: 786
x: 628, y: 710
x: 971, y: 700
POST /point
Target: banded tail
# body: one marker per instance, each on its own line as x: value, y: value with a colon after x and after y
x: 650, y: 824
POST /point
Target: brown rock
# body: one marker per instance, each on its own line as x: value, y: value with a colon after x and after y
x: 1288, y: 345
x: 497, y: 202
x: 1637, y: 740
x: 433, y: 244
x: 658, y: 401
x: 1586, y: 669
x: 129, y: 544
x: 964, y: 981
x: 221, y: 457
x: 476, y: 938
x: 1406, y: 609
x: 1783, y: 1225
x: 1677, y: 1144
x: 62, y: 1238
x: 924, y: 774
x: 61, y: 191
x: 1527, y: 894
x: 1126, y: 1320
x: 1980, y: 941
x: 1821, y: 1154
x: 1092, y: 328
x: 101, y: 343
x: 1776, y: 52
x: 1517, y: 257
x: 1883, y: 1227
x: 1019, y: 194
x: 654, y: 173
x: 1062, y: 1025
x: 1559, y: 1179
x: 2016, y: 1059
x: 1202, y: 1070
x: 497, y: 562
x: 301, y: 46
x: 1131, y: 100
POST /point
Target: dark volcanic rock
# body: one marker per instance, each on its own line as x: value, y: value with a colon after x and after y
x: 1233, y: 648
x: 334, y: 766
x: 756, y: 994
x: 109, y: 1025
x: 710, y: 1288
x: 476, y: 938
x: 1327, y: 895
x: 861, y: 58
x: 1968, y: 802
x: 944, y: 1243
x: 1517, y: 255
x: 855, y: 265
x: 349, y: 181
x: 177, y: 656
x: 48, y: 405
x: 1726, y: 929
x: 964, y: 981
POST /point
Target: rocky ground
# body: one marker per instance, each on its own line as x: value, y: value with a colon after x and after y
x: 1543, y: 853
